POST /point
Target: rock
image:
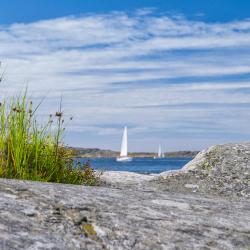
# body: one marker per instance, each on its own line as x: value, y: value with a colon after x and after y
x: 205, y: 205
x: 219, y: 170
x: 123, y: 178
x: 37, y: 215
x: 191, y: 186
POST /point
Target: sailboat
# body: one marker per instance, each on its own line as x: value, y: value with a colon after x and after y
x: 124, y: 147
x: 160, y: 154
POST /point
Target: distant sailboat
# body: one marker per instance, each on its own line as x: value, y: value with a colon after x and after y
x: 124, y: 147
x: 160, y: 154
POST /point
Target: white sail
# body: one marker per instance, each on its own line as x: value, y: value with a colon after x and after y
x: 124, y: 145
x: 159, y: 152
x: 124, y: 148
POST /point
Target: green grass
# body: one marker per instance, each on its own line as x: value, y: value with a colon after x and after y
x: 33, y: 151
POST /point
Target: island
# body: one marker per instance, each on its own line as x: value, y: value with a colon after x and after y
x: 79, y: 152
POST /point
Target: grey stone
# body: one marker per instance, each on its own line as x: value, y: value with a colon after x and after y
x: 203, y: 206
x: 125, y: 178
x: 191, y: 186
x: 219, y: 170
x: 56, y: 216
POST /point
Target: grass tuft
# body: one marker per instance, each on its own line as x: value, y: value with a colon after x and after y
x: 33, y: 151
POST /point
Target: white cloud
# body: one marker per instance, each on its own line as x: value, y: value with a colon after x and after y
x: 155, y: 73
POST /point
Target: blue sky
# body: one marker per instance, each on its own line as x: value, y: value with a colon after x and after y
x: 209, y: 10
x: 175, y: 72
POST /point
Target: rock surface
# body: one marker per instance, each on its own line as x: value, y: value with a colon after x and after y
x: 124, y: 178
x: 220, y: 170
x: 52, y: 216
x: 203, y: 206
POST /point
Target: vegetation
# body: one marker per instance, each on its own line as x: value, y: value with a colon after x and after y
x: 95, y: 152
x: 33, y: 151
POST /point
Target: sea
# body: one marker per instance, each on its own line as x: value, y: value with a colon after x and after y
x: 138, y: 165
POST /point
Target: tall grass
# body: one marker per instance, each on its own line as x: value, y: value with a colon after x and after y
x: 33, y: 151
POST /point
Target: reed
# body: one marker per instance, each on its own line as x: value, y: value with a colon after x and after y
x: 30, y: 150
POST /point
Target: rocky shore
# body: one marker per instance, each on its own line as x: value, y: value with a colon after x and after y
x: 203, y: 206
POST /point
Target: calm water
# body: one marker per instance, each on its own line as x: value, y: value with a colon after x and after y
x: 139, y: 165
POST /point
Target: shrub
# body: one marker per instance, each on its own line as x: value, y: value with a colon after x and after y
x: 33, y: 151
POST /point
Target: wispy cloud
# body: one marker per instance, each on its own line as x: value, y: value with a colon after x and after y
x: 167, y: 77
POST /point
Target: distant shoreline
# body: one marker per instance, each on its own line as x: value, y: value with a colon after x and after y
x: 99, y: 153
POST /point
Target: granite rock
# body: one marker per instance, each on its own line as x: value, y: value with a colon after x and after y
x: 37, y: 215
x: 220, y: 170
x: 203, y: 206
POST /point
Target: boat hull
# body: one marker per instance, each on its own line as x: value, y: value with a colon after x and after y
x: 124, y: 159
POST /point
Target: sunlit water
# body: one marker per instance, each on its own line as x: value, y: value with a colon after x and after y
x: 139, y: 165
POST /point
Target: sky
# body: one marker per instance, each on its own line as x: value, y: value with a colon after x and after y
x: 177, y: 73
